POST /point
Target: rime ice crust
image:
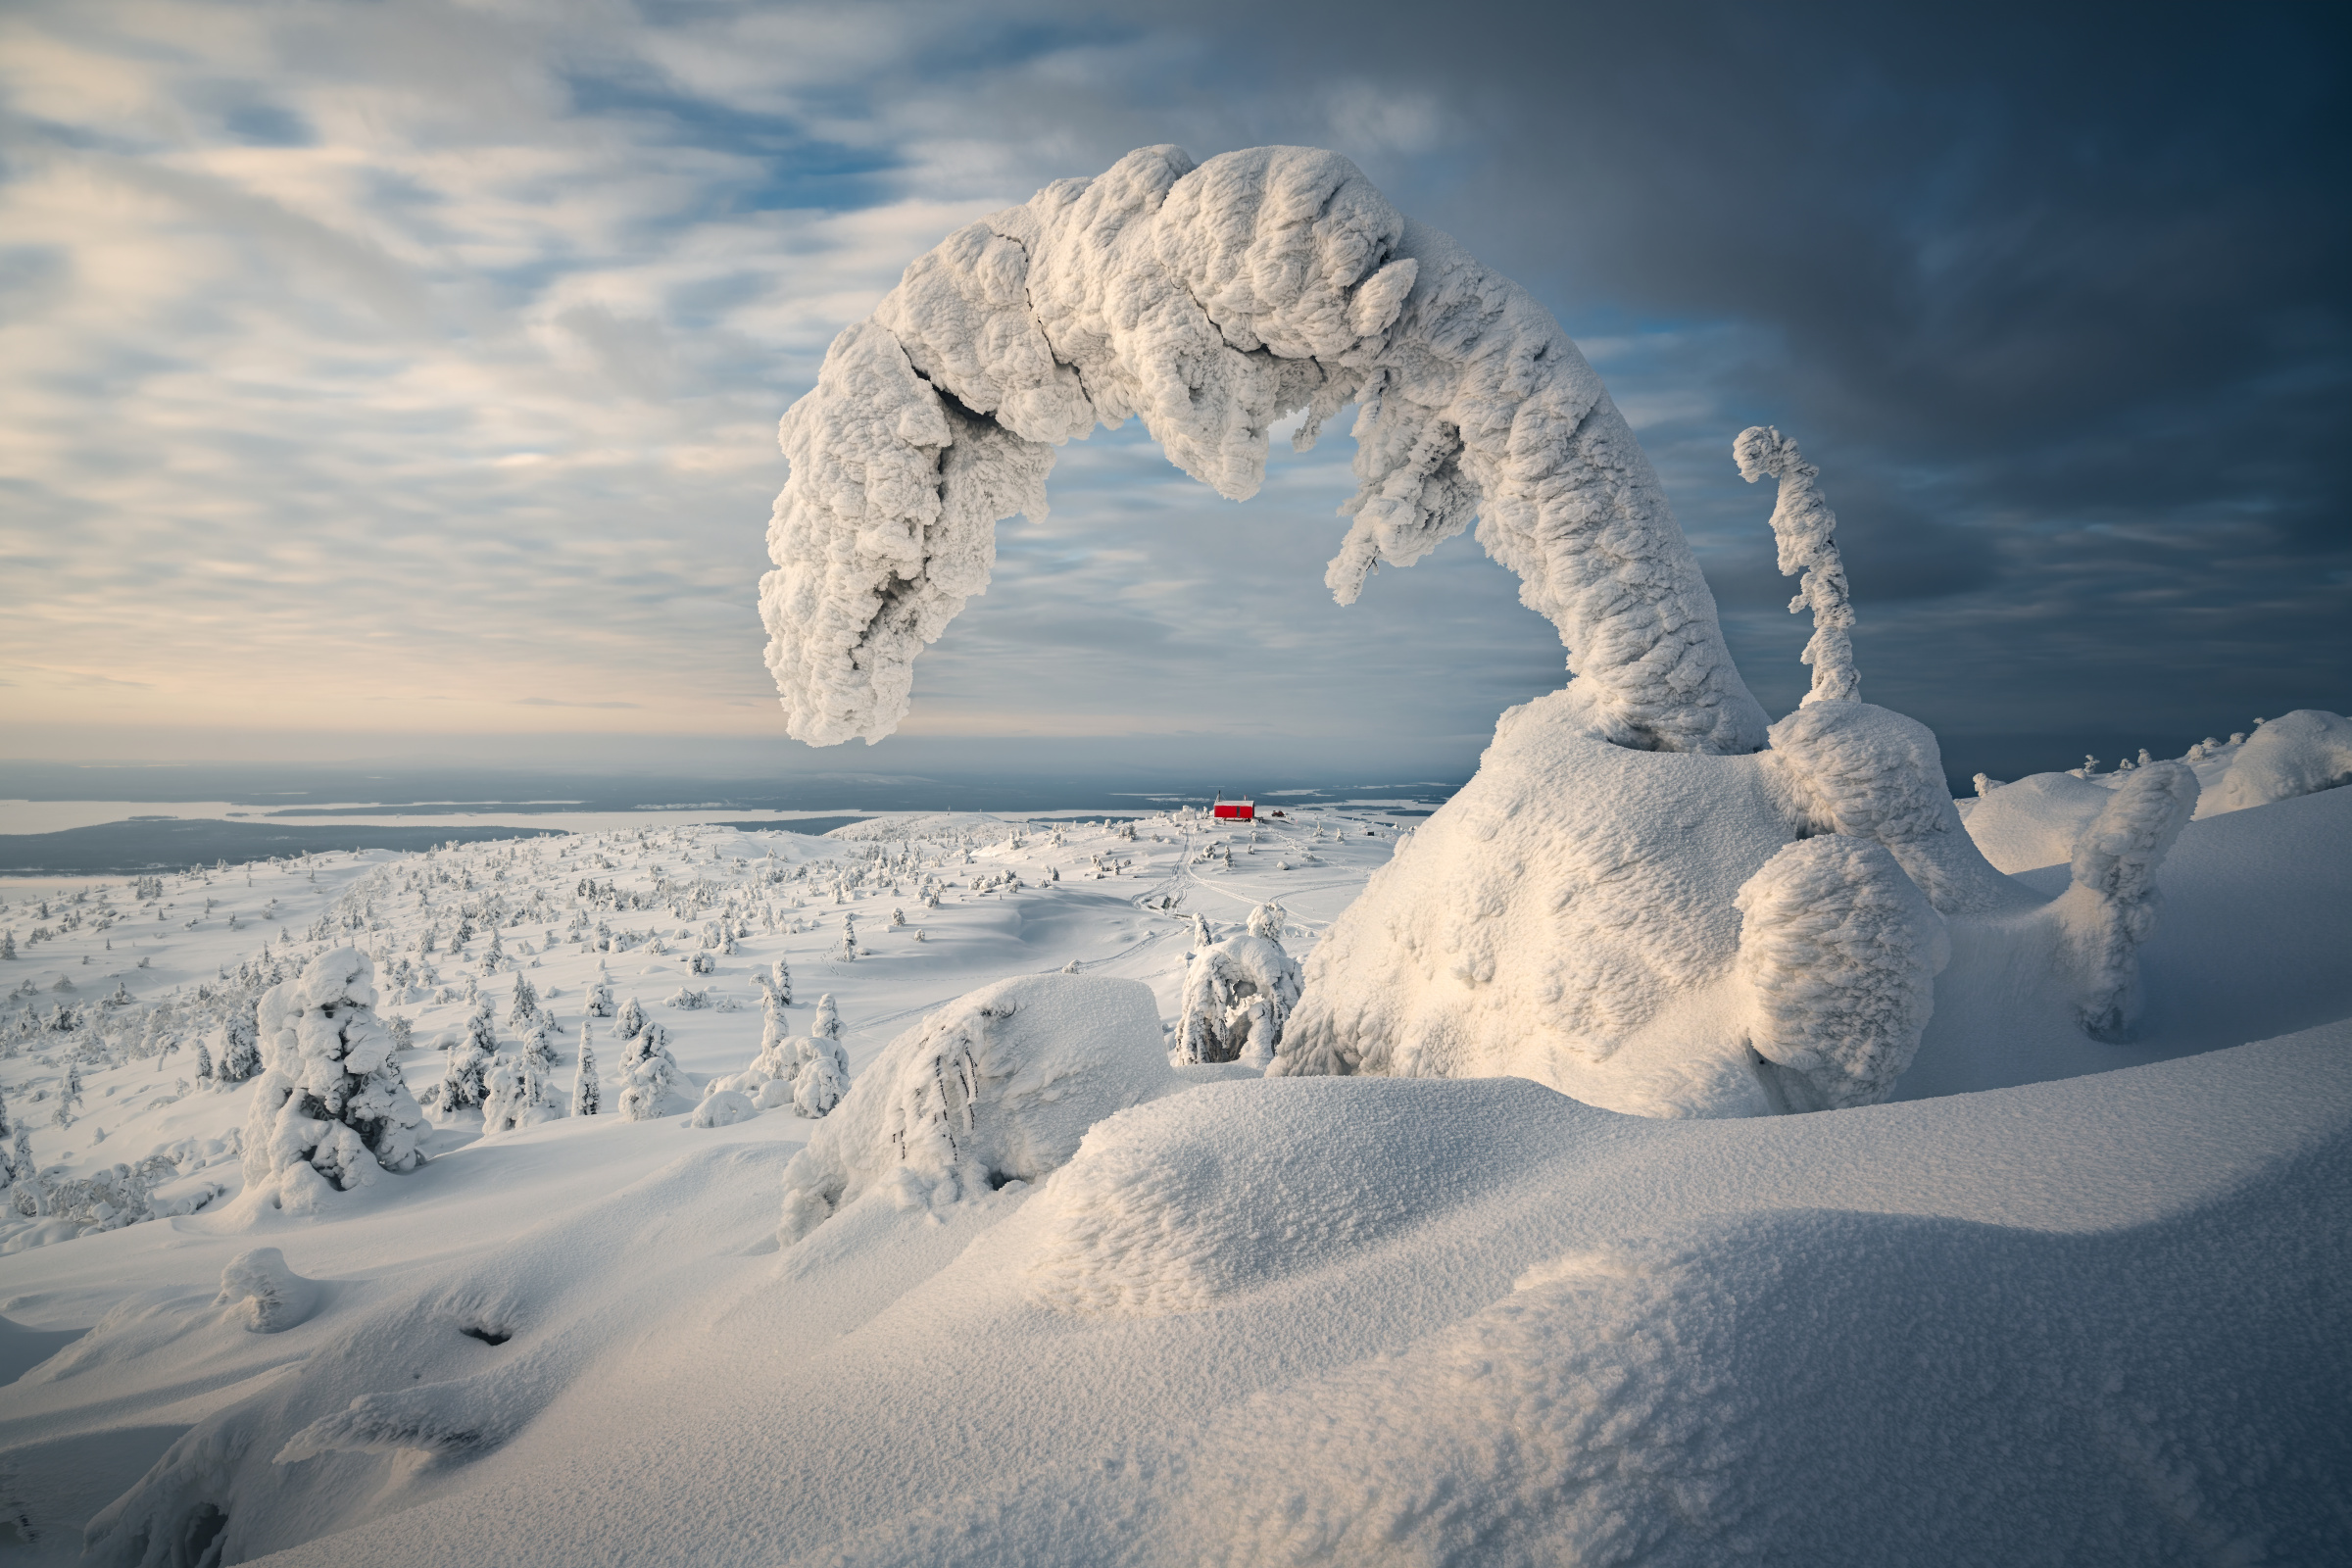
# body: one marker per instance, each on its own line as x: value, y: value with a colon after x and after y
x: 1210, y: 302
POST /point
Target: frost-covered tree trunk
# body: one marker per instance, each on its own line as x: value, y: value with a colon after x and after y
x: 331, y: 1110
x: 1211, y: 302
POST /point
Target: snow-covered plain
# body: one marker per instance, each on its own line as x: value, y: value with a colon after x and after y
x: 2098, y: 1315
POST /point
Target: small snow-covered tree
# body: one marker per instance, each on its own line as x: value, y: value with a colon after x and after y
x: 525, y: 1006
x: 650, y: 1074
x: 828, y: 1019
x: 1238, y: 997
x: 823, y: 1079
x: 2110, y: 908
x: 331, y: 1110
x: 469, y: 1051
x: 587, y: 1095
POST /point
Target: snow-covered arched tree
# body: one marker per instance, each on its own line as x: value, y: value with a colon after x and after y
x: 1211, y: 301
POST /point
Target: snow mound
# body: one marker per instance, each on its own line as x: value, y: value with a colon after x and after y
x: 264, y: 1294
x: 1211, y: 301
x: 2301, y: 753
x: 1840, y: 950
x: 1197, y: 1199
x: 996, y: 1086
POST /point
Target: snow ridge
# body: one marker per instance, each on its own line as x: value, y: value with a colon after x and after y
x: 1211, y: 301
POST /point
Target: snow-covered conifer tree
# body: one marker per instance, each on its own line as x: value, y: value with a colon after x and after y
x: 469, y: 1051
x: 650, y: 1073
x: 823, y: 1079
x: 525, y: 1006
x: 331, y: 1110
x: 828, y: 1019
x: 587, y: 1095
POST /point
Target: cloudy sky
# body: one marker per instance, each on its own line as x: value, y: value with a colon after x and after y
x: 400, y: 378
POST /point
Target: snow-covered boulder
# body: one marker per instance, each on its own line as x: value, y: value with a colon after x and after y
x: 2296, y: 754
x: 331, y: 1112
x: 996, y: 1086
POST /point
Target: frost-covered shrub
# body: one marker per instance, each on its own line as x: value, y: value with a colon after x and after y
x: 997, y: 1085
x: 2296, y: 754
x: 2110, y: 908
x: 331, y: 1110
x: 1839, y: 950
x: 1238, y: 997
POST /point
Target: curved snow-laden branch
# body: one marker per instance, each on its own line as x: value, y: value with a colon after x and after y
x: 1211, y: 302
x: 1804, y: 525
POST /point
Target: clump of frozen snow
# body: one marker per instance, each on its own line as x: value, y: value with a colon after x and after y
x: 263, y: 1293
x: 2110, y: 908
x: 1803, y: 525
x: 1840, y: 950
x: 2296, y: 754
x: 330, y: 1111
x: 1211, y: 301
x: 998, y: 1086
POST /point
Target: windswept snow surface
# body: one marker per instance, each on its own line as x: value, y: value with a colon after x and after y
x: 2095, y: 1313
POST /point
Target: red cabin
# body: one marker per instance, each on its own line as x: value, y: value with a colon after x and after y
x: 1236, y: 810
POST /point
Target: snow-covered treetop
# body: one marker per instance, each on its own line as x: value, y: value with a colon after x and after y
x: 1212, y: 300
x: 1804, y: 525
